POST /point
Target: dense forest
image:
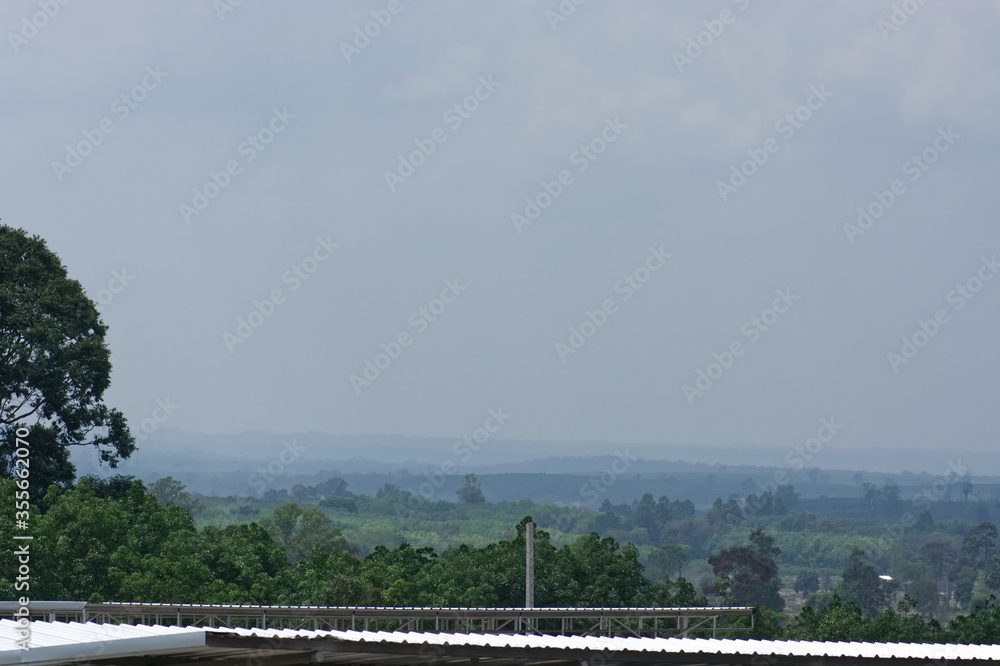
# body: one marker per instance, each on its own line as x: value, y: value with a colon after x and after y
x: 812, y: 577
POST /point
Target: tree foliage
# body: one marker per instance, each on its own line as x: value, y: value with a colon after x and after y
x: 470, y: 492
x: 56, y: 365
x: 300, y: 531
x: 115, y: 539
x: 980, y: 544
x: 862, y: 585
x: 169, y: 490
x: 807, y: 582
x: 844, y: 621
x: 749, y: 574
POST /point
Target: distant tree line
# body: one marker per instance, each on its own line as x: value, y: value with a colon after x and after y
x: 116, y: 539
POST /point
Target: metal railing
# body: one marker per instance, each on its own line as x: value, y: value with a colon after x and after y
x: 650, y: 622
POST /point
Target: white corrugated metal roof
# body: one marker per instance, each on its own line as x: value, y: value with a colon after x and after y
x: 64, y: 642
x: 59, y: 642
x: 664, y: 645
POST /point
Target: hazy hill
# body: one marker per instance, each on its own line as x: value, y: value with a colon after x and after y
x: 569, y: 472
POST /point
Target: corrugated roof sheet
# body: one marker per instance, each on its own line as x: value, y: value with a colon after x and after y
x: 665, y: 645
x: 58, y: 642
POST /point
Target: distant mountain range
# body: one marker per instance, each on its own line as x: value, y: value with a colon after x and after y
x: 241, y: 463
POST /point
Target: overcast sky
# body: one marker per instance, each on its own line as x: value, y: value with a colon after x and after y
x: 188, y: 160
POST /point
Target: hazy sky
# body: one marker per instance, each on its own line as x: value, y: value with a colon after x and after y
x: 681, y: 171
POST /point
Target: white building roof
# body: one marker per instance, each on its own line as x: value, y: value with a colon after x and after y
x: 61, y: 643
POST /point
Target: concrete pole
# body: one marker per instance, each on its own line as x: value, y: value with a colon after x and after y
x: 529, y: 579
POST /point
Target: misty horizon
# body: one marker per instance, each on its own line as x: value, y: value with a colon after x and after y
x: 686, y: 223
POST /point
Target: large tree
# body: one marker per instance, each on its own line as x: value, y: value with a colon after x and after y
x: 862, y: 585
x: 980, y: 544
x: 56, y: 366
x: 749, y: 574
x: 939, y: 554
x: 470, y: 492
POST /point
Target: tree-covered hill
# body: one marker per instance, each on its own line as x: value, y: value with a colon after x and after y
x: 118, y: 540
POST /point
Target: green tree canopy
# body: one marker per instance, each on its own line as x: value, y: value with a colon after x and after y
x: 807, y: 582
x: 862, y: 585
x: 299, y: 531
x: 169, y: 490
x: 670, y: 558
x: 980, y: 544
x: 56, y: 366
x: 749, y: 574
x: 470, y: 492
